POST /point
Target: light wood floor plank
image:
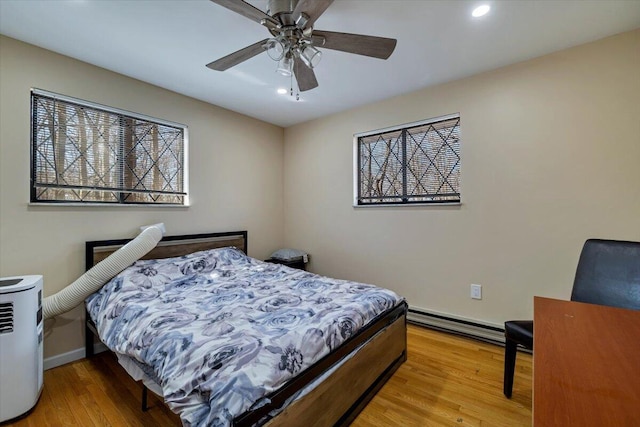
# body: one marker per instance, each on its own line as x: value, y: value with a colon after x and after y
x: 446, y: 381
x: 451, y: 381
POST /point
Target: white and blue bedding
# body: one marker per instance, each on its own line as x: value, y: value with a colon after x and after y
x: 221, y: 330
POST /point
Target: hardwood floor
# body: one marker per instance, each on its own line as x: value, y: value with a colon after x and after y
x: 451, y: 381
x: 446, y: 381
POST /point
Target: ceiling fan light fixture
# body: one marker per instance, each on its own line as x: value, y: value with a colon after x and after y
x: 310, y: 56
x: 285, y: 67
x: 275, y: 49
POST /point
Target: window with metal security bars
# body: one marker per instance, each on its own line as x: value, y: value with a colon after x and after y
x: 88, y: 153
x: 417, y: 163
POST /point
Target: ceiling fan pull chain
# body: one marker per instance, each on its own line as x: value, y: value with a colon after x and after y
x: 297, y: 89
x: 291, y: 84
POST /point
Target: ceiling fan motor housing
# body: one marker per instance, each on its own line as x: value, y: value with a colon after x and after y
x: 278, y: 7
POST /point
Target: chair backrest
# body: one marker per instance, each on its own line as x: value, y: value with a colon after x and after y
x: 608, y: 273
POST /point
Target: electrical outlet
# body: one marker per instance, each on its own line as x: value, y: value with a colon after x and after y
x: 476, y: 291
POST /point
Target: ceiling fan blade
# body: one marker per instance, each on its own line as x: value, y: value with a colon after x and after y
x: 237, y: 57
x: 377, y: 47
x: 245, y: 9
x: 312, y: 8
x: 305, y: 76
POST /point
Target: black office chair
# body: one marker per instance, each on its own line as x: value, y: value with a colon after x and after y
x: 608, y: 273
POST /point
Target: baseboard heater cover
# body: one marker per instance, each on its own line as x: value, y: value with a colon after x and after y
x: 457, y: 325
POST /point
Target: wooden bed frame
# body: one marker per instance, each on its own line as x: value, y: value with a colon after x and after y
x: 340, y: 397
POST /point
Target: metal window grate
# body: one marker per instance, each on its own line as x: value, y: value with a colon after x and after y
x: 82, y: 153
x: 419, y: 163
x: 6, y: 317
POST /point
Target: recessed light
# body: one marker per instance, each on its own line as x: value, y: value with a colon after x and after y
x: 481, y: 11
x: 282, y: 91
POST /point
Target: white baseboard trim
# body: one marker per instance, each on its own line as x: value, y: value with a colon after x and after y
x: 472, y: 328
x: 70, y: 356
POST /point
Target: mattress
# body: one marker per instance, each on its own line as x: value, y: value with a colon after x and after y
x: 220, y: 331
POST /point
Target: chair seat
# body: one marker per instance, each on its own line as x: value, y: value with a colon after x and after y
x: 520, y: 331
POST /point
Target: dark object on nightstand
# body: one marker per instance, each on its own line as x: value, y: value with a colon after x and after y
x: 293, y: 263
x: 294, y: 258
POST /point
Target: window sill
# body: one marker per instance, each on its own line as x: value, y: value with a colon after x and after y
x: 106, y: 205
x: 409, y: 205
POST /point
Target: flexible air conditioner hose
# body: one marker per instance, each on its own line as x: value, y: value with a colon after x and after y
x: 96, y: 277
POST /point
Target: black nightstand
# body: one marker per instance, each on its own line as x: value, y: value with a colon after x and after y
x: 294, y: 263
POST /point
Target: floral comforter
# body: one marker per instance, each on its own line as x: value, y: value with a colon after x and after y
x: 221, y: 330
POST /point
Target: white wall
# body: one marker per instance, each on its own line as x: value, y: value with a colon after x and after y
x: 550, y: 157
x: 236, y: 176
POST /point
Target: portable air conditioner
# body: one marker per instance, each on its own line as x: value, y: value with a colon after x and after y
x: 20, y: 345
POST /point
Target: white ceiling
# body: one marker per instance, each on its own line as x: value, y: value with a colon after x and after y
x: 167, y: 43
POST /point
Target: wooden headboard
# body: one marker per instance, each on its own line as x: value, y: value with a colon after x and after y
x: 169, y: 246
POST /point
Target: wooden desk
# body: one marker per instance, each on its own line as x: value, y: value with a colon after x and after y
x: 586, y: 365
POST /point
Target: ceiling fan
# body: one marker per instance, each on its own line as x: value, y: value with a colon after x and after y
x: 294, y: 42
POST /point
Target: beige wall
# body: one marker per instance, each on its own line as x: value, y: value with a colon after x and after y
x: 236, y: 173
x: 551, y: 157
x: 551, y: 149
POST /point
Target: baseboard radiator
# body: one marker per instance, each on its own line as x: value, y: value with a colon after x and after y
x: 470, y: 328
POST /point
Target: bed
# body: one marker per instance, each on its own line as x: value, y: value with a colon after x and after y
x: 326, y: 383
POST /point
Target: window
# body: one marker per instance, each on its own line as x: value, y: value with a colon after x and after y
x: 88, y: 153
x: 409, y: 164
